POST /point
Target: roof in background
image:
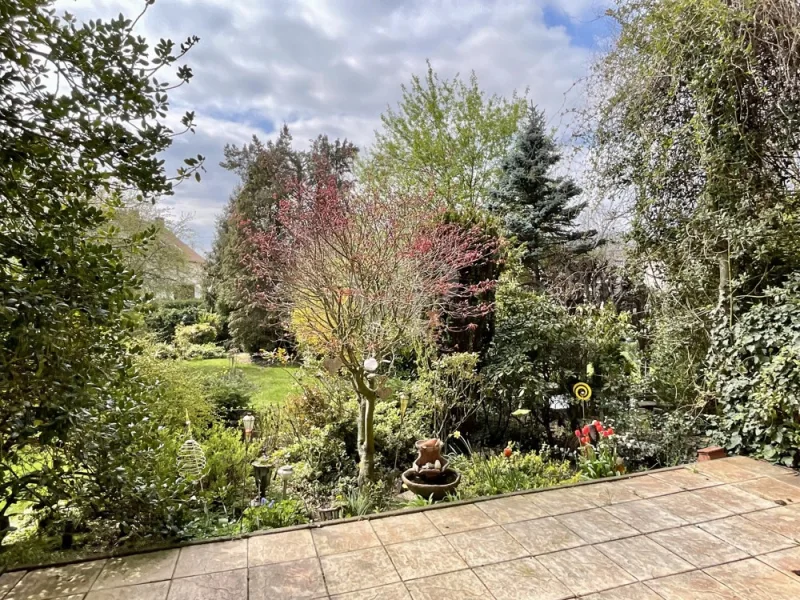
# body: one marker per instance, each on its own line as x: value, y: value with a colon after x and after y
x: 190, y: 253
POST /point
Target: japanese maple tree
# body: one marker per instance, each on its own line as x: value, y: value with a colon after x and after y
x: 360, y: 274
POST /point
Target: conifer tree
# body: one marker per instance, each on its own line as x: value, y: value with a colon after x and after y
x: 534, y: 205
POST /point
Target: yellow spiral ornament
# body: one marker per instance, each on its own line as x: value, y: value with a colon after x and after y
x: 582, y: 391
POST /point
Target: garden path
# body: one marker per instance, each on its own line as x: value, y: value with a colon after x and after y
x: 725, y: 530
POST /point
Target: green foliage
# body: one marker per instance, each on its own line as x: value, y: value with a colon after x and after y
x: 535, y: 206
x: 199, y: 333
x: 497, y: 474
x: 228, y: 480
x: 445, y: 137
x: 203, y: 351
x: 230, y: 394
x: 448, y: 391
x: 166, y: 317
x: 600, y: 460
x: 66, y: 153
x: 274, y: 514
x: 754, y: 373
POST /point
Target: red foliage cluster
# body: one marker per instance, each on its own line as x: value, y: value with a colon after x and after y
x: 593, y: 431
x: 371, y: 263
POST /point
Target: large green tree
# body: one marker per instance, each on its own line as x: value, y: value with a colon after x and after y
x: 81, y: 109
x: 696, y: 128
x: 445, y: 137
x: 535, y: 206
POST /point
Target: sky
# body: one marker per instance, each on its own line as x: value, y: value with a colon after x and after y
x: 334, y: 66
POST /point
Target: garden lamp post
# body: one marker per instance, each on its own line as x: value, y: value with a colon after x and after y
x: 262, y: 470
x: 248, y: 421
x: 285, y: 473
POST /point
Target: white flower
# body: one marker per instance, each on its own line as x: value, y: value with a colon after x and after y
x: 370, y: 365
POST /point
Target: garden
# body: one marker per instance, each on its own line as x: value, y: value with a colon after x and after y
x: 425, y: 320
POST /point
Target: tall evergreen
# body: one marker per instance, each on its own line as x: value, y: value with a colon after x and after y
x: 534, y: 205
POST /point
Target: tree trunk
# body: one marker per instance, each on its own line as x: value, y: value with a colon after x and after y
x: 366, y: 469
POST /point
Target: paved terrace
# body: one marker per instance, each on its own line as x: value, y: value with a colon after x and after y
x: 722, y: 530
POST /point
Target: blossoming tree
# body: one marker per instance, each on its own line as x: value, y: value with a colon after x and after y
x: 360, y: 274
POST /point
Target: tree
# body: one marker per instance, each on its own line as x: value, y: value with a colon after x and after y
x: 535, y: 206
x: 445, y: 137
x: 81, y: 114
x: 697, y: 126
x: 360, y: 276
x: 266, y: 172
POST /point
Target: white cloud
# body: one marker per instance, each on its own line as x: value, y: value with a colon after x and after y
x: 333, y: 66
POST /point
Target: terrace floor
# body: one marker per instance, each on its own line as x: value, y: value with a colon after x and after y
x: 723, y: 530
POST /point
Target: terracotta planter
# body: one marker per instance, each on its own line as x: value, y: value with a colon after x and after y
x: 427, y: 488
x: 430, y: 463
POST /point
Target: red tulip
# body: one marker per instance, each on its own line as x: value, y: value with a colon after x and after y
x: 577, y: 433
x: 610, y: 431
x: 507, y: 452
x: 585, y: 430
x: 598, y: 425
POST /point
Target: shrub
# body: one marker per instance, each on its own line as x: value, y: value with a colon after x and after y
x: 274, y: 514
x: 199, y: 333
x: 230, y: 394
x: 498, y: 474
x: 754, y: 372
x: 228, y: 480
x: 204, y: 351
x: 166, y: 316
x: 163, y: 351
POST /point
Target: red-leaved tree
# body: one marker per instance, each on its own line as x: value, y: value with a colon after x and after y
x: 361, y: 274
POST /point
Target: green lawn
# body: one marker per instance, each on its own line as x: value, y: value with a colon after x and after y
x: 274, y: 384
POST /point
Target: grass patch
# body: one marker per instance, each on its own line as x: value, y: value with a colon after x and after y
x: 274, y: 384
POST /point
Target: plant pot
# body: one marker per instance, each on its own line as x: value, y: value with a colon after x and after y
x: 330, y: 514
x: 427, y: 488
x: 430, y: 453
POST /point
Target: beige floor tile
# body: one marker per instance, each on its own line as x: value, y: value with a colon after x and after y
x: 511, y: 509
x: 645, y: 516
x: 697, y: 546
x: 422, y: 558
x: 456, y: 519
x: 596, y: 525
x: 746, y: 535
x: 393, y: 591
x: 209, y: 558
x: 637, y: 591
x: 358, y: 570
x: 648, y: 486
x: 606, y: 493
x: 687, y: 478
x: 486, y: 546
x: 143, y: 591
x: 57, y: 581
x: 558, y: 502
x: 733, y: 499
x: 138, y: 568
x: 404, y: 528
x: 692, y: 507
x: 753, y: 580
x: 773, y: 490
x: 459, y: 584
x: 346, y: 537
x: 280, y: 547
x: 724, y: 471
x: 297, y: 579
x: 760, y: 467
x: 223, y: 585
x: 783, y: 520
x: 543, y: 536
x: 586, y: 570
x: 9, y: 580
x: 787, y: 560
x: 691, y: 586
x: 791, y: 477
x: 643, y: 558
x: 524, y: 579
